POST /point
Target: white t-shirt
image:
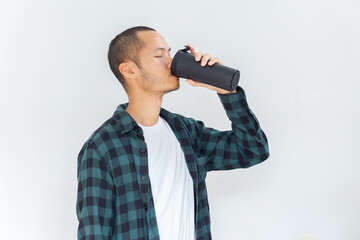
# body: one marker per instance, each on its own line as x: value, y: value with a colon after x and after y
x: 171, y: 183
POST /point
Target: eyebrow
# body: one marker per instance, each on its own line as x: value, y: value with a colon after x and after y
x: 161, y: 48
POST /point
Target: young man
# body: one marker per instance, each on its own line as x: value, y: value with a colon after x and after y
x: 141, y: 174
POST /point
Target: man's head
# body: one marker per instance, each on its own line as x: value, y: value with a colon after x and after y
x: 140, y: 58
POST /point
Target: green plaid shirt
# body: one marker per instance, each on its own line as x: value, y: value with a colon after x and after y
x: 114, y: 199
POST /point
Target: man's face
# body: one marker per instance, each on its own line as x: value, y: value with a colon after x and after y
x: 155, y: 57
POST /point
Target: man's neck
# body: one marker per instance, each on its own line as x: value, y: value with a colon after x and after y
x: 144, y: 109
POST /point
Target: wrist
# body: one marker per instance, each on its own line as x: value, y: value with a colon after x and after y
x: 226, y: 92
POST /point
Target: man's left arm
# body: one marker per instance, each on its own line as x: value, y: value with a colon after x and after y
x: 244, y: 146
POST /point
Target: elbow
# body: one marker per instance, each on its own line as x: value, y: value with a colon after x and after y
x: 263, y: 148
x: 264, y: 156
x: 264, y: 152
x: 256, y: 156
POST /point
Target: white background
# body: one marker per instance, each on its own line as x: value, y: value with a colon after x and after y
x: 299, y: 64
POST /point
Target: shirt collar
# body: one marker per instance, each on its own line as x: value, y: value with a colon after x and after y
x: 127, y: 123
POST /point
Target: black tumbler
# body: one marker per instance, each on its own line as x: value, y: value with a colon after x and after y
x: 184, y: 65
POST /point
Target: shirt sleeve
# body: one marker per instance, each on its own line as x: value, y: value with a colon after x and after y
x: 244, y: 146
x: 95, y: 201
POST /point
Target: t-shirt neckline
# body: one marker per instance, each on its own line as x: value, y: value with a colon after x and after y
x: 153, y: 126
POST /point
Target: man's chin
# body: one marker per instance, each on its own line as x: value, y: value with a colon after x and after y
x: 173, y: 88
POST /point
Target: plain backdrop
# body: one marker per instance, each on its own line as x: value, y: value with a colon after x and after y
x: 299, y: 64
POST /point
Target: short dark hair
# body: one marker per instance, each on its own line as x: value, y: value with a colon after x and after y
x: 126, y: 46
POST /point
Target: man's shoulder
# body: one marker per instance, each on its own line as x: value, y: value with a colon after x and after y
x: 107, y: 131
x: 188, y: 121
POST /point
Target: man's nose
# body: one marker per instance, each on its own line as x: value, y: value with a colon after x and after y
x: 170, y: 59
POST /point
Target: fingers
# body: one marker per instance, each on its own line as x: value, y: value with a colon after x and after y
x: 200, y: 84
x: 195, y: 83
x: 198, y: 56
x: 205, y: 58
x: 192, y: 50
x: 191, y: 82
x: 213, y: 60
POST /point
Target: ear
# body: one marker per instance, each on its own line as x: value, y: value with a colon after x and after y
x: 126, y: 69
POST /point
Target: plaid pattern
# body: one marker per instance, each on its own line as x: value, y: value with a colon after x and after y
x: 114, y: 199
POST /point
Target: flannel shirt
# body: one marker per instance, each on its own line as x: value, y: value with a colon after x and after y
x: 114, y: 199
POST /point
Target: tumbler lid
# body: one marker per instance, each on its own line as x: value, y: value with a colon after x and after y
x: 187, y: 48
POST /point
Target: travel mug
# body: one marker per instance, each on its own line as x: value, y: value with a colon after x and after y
x: 184, y: 65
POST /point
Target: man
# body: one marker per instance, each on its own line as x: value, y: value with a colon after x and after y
x: 141, y: 174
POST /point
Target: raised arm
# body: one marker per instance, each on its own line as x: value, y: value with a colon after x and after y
x: 242, y: 147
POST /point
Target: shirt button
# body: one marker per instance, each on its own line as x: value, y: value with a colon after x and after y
x: 145, y: 207
x: 142, y: 150
x: 143, y: 177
